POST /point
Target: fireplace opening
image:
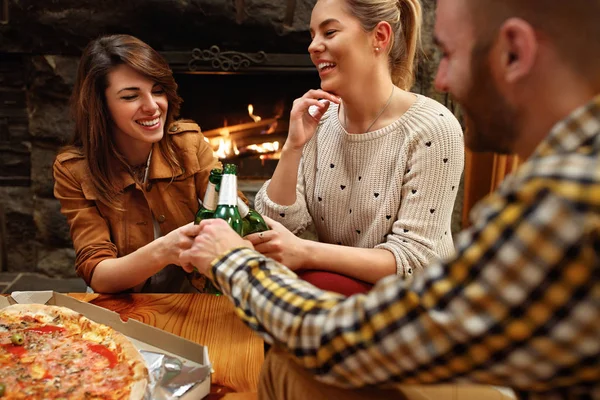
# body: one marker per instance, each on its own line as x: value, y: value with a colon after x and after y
x: 245, y: 117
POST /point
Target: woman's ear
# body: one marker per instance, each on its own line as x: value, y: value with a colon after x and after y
x: 382, y: 35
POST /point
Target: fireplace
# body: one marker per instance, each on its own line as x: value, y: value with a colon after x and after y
x: 243, y: 108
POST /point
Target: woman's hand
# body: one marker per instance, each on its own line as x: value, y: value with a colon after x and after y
x: 303, y: 125
x: 279, y: 244
x: 174, y: 242
x: 214, y: 240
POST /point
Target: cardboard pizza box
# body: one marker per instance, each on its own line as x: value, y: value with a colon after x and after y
x: 144, y: 337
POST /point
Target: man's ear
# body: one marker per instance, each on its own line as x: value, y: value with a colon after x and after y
x: 382, y: 35
x: 517, y: 49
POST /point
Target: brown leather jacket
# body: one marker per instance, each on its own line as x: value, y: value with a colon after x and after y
x: 100, y: 231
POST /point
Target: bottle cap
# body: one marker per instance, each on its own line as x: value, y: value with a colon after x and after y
x: 230, y: 169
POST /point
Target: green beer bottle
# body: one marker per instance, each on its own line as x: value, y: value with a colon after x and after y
x: 227, y: 208
x: 211, y: 197
x: 206, y: 211
x: 252, y: 221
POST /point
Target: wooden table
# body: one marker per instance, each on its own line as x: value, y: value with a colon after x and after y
x: 235, y: 351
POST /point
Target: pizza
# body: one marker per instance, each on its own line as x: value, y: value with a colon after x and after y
x: 51, y: 352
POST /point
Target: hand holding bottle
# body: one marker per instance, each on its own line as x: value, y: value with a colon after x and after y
x: 280, y: 244
x: 215, y: 239
x: 174, y: 242
x: 303, y: 124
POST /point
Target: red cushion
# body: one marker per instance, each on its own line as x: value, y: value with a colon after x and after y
x: 335, y: 282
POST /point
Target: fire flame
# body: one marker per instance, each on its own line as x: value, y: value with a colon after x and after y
x: 266, y: 147
x: 256, y: 118
x: 226, y: 147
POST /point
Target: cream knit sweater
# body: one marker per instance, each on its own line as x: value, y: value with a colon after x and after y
x: 393, y: 188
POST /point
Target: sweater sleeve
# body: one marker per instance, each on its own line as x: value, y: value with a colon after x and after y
x: 295, y: 217
x: 435, y: 161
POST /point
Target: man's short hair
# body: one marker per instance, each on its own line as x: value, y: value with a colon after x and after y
x: 573, y: 26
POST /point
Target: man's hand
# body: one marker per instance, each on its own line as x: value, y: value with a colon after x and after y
x: 215, y: 239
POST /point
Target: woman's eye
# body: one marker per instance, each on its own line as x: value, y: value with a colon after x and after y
x: 330, y: 32
x: 158, y: 92
x: 129, y: 97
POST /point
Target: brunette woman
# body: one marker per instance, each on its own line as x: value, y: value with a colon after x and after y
x: 133, y: 174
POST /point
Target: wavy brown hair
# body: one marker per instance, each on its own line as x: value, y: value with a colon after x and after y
x: 93, y: 123
x: 405, y: 18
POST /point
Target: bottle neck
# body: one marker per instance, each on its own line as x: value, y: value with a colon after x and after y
x: 228, y: 190
x: 242, y: 208
x: 211, y: 197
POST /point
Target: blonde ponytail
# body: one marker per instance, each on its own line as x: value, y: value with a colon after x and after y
x: 403, y: 54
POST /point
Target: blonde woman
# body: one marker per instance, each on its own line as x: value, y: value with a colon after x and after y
x: 373, y: 166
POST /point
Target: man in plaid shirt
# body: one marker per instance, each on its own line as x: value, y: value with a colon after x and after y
x: 519, y: 303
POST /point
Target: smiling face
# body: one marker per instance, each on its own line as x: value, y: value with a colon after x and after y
x: 467, y: 73
x: 340, y: 49
x: 138, y: 108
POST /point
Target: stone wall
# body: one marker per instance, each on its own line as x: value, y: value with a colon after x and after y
x: 35, y: 123
x: 17, y: 230
x: 66, y: 26
x: 35, y: 84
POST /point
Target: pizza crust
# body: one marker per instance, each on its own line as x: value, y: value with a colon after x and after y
x: 132, y: 354
x: 139, y: 378
x: 138, y: 390
x: 41, y: 309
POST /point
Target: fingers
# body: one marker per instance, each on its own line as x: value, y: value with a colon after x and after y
x: 189, y: 262
x: 261, y: 237
x: 185, y: 260
x: 189, y: 268
x: 315, y: 102
x: 318, y: 112
x: 216, y: 223
x: 321, y: 94
x: 270, y: 249
x: 304, y: 104
x: 190, y: 229
x: 271, y: 222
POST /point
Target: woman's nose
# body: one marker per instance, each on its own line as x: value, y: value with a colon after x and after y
x: 149, y: 105
x: 315, y: 45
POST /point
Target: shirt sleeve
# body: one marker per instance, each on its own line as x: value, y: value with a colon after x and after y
x: 89, y: 230
x: 295, y: 217
x: 516, y: 306
x: 421, y: 232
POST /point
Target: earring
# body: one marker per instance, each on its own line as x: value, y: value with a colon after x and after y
x: 377, y: 49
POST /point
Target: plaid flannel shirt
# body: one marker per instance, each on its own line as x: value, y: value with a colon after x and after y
x: 517, y: 306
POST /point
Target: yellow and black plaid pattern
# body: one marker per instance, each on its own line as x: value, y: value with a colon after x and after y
x: 518, y: 305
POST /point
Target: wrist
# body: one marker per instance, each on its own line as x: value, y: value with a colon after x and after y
x: 306, y: 252
x: 291, y: 150
x: 161, y: 252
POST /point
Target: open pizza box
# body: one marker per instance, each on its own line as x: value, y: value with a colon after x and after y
x: 143, y: 336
